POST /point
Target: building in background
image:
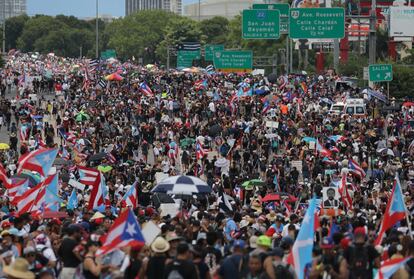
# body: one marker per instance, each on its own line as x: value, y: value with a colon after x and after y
x: 132, y: 6
x: 11, y: 8
x: 206, y: 9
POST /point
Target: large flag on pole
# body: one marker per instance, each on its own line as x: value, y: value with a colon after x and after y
x: 395, y: 211
x: 124, y: 232
x: 301, y: 253
x: 131, y: 196
x: 40, y: 160
x: 343, y: 190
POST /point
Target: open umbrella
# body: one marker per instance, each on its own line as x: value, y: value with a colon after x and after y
x: 4, y: 146
x: 33, y: 179
x: 182, y: 184
x: 104, y: 169
x: 82, y: 116
x: 271, y: 197
x: 251, y: 183
x: 114, y: 77
x: 385, y: 151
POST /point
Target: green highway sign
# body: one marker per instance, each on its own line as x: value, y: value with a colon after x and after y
x: 211, y: 49
x: 283, y: 10
x: 380, y: 72
x: 316, y: 23
x: 185, y: 58
x: 260, y: 24
x: 109, y: 53
x: 237, y: 60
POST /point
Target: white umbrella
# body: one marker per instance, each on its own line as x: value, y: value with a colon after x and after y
x: 386, y: 151
x: 182, y: 185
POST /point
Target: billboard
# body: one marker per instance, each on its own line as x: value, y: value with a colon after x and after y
x: 401, y: 21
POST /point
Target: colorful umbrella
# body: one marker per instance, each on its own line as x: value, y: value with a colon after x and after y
x: 271, y: 197
x: 82, y: 116
x: 114, y: 77
x: 254, y: 182
x: 4, y: 146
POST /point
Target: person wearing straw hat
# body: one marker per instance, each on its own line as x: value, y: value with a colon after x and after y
x: 156, y: 263
x: 19, y: 269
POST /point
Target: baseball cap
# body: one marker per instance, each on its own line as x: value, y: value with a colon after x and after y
x: 360, y: 231
x: 239, y: 243
x: 264, y: 240
x: 277, y: 251
x: 327, y: 243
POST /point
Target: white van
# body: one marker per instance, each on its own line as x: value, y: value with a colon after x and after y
x: 337, y: 108
x: 352, y: 107
x: 355, y: 108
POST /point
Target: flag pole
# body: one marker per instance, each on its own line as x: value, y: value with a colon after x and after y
x: 405, y: 207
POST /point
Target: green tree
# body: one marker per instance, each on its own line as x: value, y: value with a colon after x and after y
x: 14, y: 28
x: 179, y: 30
x: 215, y: 30
x: 36, y: 28
x: 138, y: 34
x: 403, y: 82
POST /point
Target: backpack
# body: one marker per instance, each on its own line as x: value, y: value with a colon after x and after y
x: 174, y: 273
x: 359, y: 262
x: 282, y: 271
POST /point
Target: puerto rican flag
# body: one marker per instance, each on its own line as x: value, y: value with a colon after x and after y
x: 145, y: 89
x: 111, y: 158
x: 200, y: 151
x: 94, y: 178
x: 389, y: 267
x: 34, y: 198
x: 17, y: 189
x: 124, y: 232
x: 343, y: 191
x: 396, y: 210
x: 200, y: 85
x: 324, y: 152
x: 131, y: 196
x: 4, y: 178
x: 301, y: 253
x: 355, y: 168
x: 40, y: 161
x: 24, y: 132
x: 63, y: 153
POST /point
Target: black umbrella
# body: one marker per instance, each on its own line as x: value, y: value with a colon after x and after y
x: 97, y: 157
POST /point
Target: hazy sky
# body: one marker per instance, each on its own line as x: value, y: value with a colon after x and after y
x: 79, y: 8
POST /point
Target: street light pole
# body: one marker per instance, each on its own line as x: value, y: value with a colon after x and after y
x: 4, y: 27
x: 199, y: 10
x: 97, y: 32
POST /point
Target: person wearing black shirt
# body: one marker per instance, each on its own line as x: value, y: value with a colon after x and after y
x: 70, y: 259
x: 182, y: 264
x: 360, y: 259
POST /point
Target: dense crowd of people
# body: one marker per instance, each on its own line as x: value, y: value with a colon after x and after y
x: 266, y: 146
